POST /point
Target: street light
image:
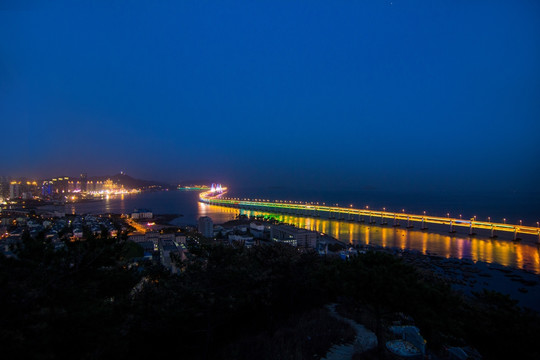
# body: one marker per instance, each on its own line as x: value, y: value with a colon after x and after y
x: 504, y: 220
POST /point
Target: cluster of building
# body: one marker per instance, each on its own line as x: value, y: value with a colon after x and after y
x: 256, y: 231
x: 57, y: 188
x: 56, y: 227
x: 95, y: 225
x: 12, y: 229
x: 72, y: 185
x: 18, y: 189
x: 141, y: 214
x: 14, y: 223
x: 163, y: 248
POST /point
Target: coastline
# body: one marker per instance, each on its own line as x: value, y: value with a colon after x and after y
x: 467, y: 276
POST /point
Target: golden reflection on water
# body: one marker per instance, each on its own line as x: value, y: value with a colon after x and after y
x: 523, y: 255
x: 384, y: 238
x: 366, y: 236
x: 519, y: 256
x: 403, y: 241
x: 424, y: 242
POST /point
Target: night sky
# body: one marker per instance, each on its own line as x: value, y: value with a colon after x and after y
x: 436, y: 95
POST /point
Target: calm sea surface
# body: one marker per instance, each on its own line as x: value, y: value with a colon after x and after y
x: 512, y: 206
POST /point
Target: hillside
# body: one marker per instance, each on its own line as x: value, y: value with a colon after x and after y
x: 130, y: 182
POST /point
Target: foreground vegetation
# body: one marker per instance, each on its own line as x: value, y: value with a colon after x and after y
x: 89, y: 300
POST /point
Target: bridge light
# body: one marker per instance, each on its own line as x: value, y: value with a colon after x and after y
x: 504, y: 220
x: 447, y: 214
x: 489, y: 218
x: 460, y: 216
x: 520, y: 222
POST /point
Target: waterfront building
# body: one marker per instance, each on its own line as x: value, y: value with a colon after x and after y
x: 257, y: 229
x: 206, y: 226
x: 60, y: 184
x: 289, y: 234
x: 27, y: 196
x: 14, y: 190
x: 46, y: 188
x: 84, y: 182
x: 243, y: 239
x: 93, y: 186
x: 72, y: 186
x: 4, y: 187
x: 142, y: 214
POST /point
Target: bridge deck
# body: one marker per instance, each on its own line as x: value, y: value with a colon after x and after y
x: 316, y: 209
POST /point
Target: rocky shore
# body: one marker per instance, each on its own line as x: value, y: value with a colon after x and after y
x: 467, y: 276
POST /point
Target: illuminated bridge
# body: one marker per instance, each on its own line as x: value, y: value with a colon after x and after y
x: 216, y: 196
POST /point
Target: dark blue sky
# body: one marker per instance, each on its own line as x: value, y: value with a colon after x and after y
x: 385, y: 94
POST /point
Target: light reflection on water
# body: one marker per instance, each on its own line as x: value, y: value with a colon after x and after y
x: 523, y: 255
